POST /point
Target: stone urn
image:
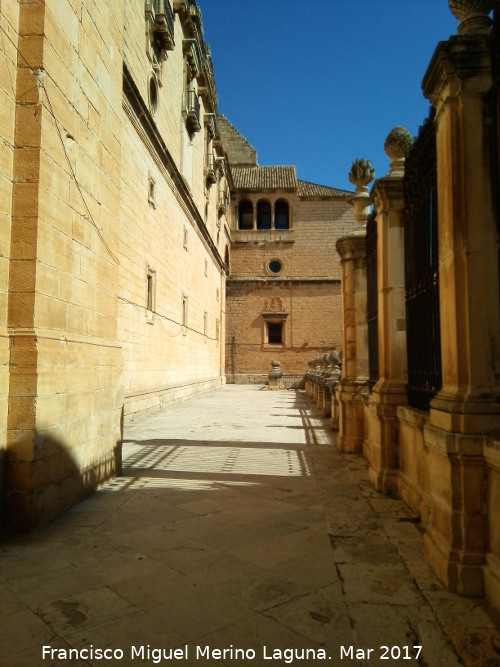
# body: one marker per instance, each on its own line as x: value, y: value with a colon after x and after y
x: 472, y: 14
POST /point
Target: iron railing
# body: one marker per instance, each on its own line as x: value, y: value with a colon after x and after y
x: 372, y: 298
x: 493, y: 99
x: 210, y: 167
x: 164, y: 16
x: 423, y: 332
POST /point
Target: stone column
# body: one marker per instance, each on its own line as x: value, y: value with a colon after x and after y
x: 467, y: 407
x: 391, y: 388
x: 352, y: 251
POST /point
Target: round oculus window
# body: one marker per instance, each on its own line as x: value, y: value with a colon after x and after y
x: 274, y: 266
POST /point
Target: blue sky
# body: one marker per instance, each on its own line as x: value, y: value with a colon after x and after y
x: 317, y: 84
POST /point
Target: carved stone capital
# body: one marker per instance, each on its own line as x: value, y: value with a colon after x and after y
x: 458, y: 67
x: 352, y: 247
x: 387, y: 193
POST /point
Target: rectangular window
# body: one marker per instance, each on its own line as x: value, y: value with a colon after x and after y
x: 275, y: 333
x: 205, y: 324
x: 185, y: 239
x: 217, y: 331
x: 151, y: 190
x: 150, y: 294
x: 184, y: 314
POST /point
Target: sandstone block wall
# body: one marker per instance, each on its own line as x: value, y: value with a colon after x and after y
x: 312, y: 326
x: 65, y: 385
x: 9, y: 22
x: 176, y: 237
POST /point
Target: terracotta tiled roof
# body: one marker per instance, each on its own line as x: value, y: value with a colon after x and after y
x: 264, y: 178
x: 312, y: 190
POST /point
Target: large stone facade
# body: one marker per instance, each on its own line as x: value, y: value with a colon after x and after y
x: 283, y: 291
x: 174, y: 233
x: 114, y: 238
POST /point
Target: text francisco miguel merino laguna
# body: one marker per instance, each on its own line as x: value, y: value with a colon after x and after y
x: 158, y: 655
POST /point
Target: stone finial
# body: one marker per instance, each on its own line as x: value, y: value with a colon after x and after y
x: 473, y: 15
x: 275, y: 375
x: 361, y: 174
x: 397, y: 146
x: 334, y: 357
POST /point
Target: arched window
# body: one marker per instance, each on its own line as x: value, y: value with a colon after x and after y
x: 245, y: 214
x: 263, y: 215
x: 281, y: 215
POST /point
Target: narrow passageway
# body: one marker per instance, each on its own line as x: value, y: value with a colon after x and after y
x: 236, y: 535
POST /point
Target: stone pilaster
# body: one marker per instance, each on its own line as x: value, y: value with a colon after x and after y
x: 457, y: 79
x: 467, y: 407
x: 391, y: 389
x: 354, y: 381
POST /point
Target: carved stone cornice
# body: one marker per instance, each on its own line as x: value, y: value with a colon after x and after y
x: 387, y: 192
x: 352, y: 246
x: 460, y: 65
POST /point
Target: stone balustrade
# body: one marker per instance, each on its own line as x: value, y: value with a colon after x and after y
x: 321, y: 384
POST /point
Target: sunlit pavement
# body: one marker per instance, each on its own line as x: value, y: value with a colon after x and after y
x: 236, y: 526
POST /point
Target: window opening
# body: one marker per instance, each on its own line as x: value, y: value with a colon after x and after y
x: 275, y: 333
x: 245, y: 219
x: 274, y: 266
x: 153, y: 94
x: 150, y: 294
x: 184, y: 314
x: 263, y: 215
x: 281, y: 215
x: 151, y: 190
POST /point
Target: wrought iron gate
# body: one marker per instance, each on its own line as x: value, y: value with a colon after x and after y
x: 422, y: 270
x: 372, y: 297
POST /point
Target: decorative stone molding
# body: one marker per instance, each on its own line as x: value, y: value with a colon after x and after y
x: 473, y: 15
x: 274, y: 305
x: 351, y: 247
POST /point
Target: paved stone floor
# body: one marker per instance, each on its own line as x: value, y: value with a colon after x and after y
x: 236, y: 525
